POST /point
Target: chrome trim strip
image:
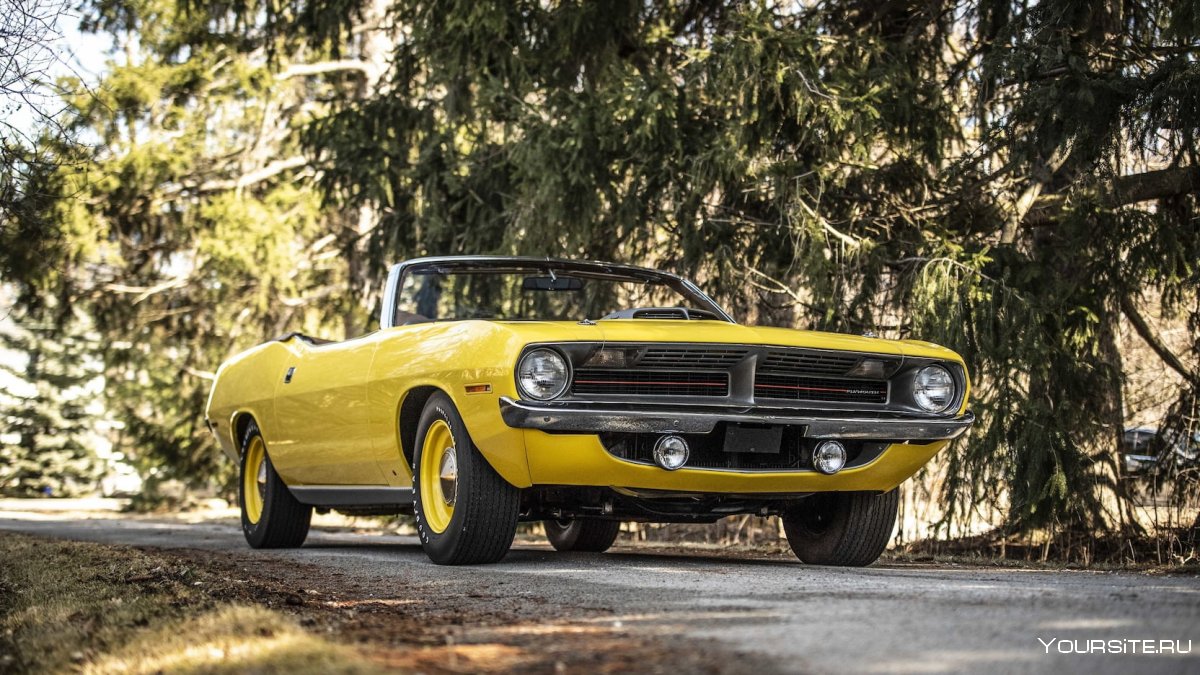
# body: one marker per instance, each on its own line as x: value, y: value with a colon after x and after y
x: 565, y: 418
x: 387, y: 314
x: 691, y: 285
x: 352, y: 495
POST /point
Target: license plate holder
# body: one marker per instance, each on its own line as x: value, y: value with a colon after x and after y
x: 759, y: 440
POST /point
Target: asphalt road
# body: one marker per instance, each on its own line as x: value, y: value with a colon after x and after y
x: 772, y: 612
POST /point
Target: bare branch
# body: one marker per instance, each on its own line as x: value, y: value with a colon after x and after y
x: 256, y: 176
x: 1032, y: 192
x: 29, y: 61
x: 30, y: 41
x: 305, y: 69
x: 1147, y: 334
x: 201, y: 374
x: 1124, y: 190
x: 144, y: 292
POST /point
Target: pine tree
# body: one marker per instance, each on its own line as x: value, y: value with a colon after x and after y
x: 46, y: 447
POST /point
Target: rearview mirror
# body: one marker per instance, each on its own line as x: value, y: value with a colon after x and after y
x: 551, y: 284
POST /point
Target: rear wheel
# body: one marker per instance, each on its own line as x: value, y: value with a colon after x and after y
x: 582, y: 534
x: 466, y: 513
x: 271, y: 516
x: 849, y: 529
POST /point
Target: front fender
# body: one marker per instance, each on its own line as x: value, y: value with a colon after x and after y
x: 502, y: 446
x: 451, y: 357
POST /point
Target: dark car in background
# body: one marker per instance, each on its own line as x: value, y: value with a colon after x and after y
x: 1146, y: 451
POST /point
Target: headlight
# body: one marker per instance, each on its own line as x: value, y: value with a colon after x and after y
x: 933, y: 388
x: 543, y: 374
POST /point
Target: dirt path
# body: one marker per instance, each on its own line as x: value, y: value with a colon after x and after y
x: 637, y: 609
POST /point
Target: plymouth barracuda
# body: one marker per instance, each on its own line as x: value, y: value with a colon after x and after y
x: 581, y: 394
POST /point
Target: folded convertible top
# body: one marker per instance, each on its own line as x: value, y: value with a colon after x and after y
x: 307, y: 338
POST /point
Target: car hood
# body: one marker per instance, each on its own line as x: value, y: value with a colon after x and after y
x: 721, y: 332
x: 648, y: 330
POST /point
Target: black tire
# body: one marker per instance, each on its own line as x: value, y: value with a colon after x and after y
x: 848, y: 529
x: 284, y: 522
x: 588, y: 535
x: 486, y: 507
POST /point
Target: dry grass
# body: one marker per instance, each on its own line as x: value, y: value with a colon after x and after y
x: 69, y: 606
x: 1167, y: 552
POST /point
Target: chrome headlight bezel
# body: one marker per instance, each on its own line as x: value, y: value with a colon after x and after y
x: 543, y: 352
x: 922, y: 382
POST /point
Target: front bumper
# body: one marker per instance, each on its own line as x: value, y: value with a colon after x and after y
x: 590, y: 418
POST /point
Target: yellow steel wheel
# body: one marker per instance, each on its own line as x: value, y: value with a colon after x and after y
x: 439, y: 476
x: 466, y: 513
x: 254, y: 479
x: 271, y: 516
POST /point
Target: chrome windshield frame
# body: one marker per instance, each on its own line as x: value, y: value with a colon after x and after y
x: 396, y: 274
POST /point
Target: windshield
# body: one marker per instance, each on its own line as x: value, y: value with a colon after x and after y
x: 539, y: 293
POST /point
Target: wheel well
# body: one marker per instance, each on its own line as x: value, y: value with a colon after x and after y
x: 240, y: 424
x: 410, y: 416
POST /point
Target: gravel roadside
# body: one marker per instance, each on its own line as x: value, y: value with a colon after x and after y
x: 646, y: 609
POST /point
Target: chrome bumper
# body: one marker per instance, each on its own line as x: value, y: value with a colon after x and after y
x: 568, y: 418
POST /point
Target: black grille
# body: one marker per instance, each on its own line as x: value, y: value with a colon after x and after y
x: 807, y: 363
x: 797, y: 388
x: 649, y: 383
x: 691, y: 357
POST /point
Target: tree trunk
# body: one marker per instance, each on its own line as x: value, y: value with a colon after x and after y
x: 1113, y: 404
x: 376, y: 46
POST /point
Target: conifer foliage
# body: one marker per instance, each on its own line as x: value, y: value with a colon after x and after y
x: 1015, y: 180
x: 46, y: 443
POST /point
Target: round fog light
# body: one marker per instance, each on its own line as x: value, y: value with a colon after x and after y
x: 829, y: 457
x: 670, y: 452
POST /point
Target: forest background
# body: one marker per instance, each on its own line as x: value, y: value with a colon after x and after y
x: 1015, y: 180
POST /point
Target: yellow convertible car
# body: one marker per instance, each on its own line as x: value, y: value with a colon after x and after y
x: 581, y: 394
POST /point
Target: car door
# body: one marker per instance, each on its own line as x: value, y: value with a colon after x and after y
x: 321, y: 415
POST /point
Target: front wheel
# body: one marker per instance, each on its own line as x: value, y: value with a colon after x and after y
x: 271, y: 516
x: 466, y: 513
x: 582, y: 534
x: 848, y: 529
